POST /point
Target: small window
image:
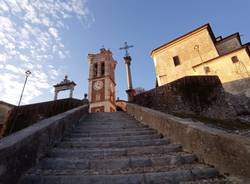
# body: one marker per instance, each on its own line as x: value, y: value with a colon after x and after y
x: 235, y: 59
x: 176, y: 60
x: 207, y: 69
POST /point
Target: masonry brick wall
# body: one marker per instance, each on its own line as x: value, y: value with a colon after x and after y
x: 192, y: 95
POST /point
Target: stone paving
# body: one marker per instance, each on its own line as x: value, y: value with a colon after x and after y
x: 115, y: 148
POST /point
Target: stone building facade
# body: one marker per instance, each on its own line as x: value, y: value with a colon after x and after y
x: 199, y: 52
x: 102, y: 82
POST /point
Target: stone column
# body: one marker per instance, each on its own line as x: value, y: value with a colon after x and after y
x: 107, y: 68
x: 71, y: 92
x: 127, y: 60
x: 56, y: 93
x: 130, y: 90
x: 91, y: 71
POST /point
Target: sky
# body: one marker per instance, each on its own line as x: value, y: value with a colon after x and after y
x: 52, y: 38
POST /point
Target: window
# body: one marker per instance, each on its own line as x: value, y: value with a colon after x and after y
x: 102, y: 69
x: 235, y: 59
x: 176, y: 60
x: 95, y: 69
x: 206, y: 69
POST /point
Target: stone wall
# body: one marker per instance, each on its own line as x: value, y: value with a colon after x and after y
x: 23, y: 149
x: 229, y: 153
x: 5, y: 109
x: 192, y: 95
x: 26, y: 115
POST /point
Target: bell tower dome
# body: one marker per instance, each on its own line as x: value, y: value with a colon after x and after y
x: 102, y: 81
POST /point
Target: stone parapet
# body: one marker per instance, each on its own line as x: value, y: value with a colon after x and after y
x: 229, y: 153
x: 23, y: 149
x: 26, y: 115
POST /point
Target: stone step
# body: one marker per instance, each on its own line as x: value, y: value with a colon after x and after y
x: 111, y: 130
x: 107, y: 121
x: 120, y: 138
x: 117, y: 144
x: 114, y: 152
x: 163, y: 176
x: 112, y: 134
x: 110, y: 121
x: 214, y: 180
x: 111, y: 116
x: 115, y: 148
x: 115, y: 126
x: 116, y: 163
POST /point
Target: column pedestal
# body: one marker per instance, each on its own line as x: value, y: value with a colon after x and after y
x: 131, y: 94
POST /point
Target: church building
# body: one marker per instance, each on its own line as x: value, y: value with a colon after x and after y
x: 199, y: 52
x: 102, y: 81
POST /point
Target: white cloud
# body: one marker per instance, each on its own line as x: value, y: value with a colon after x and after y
x: 53, y: 32
x: 6, y: 24
x: 30, y: 38
x: 3, y: 57
x: 14, y: 69
x: 3, y: 7
x: 24, y: 58
x: 61, y: 54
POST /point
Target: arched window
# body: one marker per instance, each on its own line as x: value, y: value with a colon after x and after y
x: 102, y: 69
x: 95, y: 69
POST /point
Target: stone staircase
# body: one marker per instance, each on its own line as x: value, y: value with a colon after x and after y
x: 115, y: 148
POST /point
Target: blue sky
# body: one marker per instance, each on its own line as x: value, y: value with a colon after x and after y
x: 53, y: 38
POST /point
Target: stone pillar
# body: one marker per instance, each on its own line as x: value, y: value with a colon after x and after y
x: 56, y: 93
x: 91, y: 71
x: 127, y: 60
x: 130, y: 90
x: 107, y: 68
x: 71, y: 92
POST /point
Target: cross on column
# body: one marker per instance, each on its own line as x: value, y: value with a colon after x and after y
x: 127, y: 59
x: 126, y: 47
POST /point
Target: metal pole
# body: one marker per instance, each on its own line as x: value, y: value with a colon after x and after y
x: 196, y: 47
x: 20, y: 99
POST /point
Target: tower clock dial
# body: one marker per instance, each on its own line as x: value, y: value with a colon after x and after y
x: 98, y: 85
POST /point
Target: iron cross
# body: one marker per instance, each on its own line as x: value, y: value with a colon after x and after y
x: 126, y: 47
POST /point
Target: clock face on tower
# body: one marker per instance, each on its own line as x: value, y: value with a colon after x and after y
x: 98, y: 85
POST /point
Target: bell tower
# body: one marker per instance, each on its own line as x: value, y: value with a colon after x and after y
x: 102, y: 81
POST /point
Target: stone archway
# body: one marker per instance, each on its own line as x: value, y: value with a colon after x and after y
x: 64, y: 85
